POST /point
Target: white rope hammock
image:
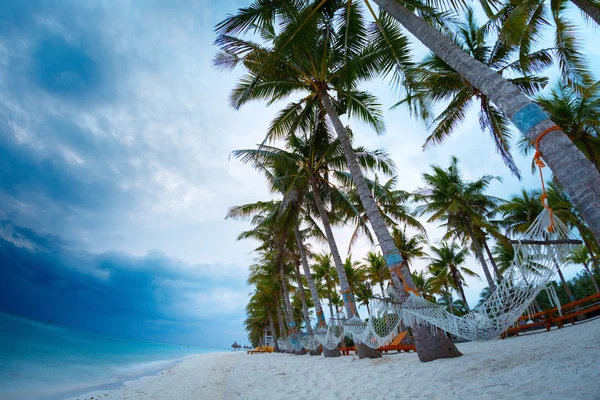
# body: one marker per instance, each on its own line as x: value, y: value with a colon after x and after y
x: 537, y: 255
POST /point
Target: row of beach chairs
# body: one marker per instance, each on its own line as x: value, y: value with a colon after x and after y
x: 547, y: 318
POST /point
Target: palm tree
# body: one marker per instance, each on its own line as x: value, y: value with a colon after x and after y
x: 364, y: 294
x: 522, y: 23
x: 571, y: 168
x: 325, y: 274
x: 581, y: 256
x: 376, y: 270
x: 569, y: 165
x: 441, y: 282
x: 410, y: 247
x: 451, y: 258
x: 424, y: 285
x: 439, y: 82
x: 310, y: 54
x: 462, y: 205
x: 578, y: 114
x: 392, y: 204
x: 316, y: 162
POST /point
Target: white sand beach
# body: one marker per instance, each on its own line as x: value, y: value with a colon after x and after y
x: 561, y: 364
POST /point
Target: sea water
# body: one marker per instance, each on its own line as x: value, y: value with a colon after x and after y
x: 42, y: 360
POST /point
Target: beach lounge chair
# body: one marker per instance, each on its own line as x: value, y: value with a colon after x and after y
x: 396, y: 344
x: 261, y: 349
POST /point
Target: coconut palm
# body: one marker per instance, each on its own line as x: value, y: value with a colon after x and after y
x: 376, y: 270
x: 581, y: 256
x: 354, y: 273
x: 522, y: 23
x: 410, y: 247
x: 423, y: 284
x: 441, y: 282
x: 451, y: 258
x: 364, y: 294
x: 569, y: 165
x: 439, y: 82
x: 314, y: 162
x: 463, y: 206
x: 571, y: 168
x: 578, y: 114
x: 312, y: 55
x: 392, y: 204
x: 325, y: 275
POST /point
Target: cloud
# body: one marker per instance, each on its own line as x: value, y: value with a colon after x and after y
x: 47, y: 278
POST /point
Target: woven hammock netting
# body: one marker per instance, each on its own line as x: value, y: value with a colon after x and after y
x: 538, y: 253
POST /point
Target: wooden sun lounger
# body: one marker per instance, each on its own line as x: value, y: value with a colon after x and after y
x: 571, y: 315
x: 260, y: 349
x: 396, y: 344
x: 549, y: 317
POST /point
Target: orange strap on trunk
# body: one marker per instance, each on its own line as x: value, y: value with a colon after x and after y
x: 537, y: 158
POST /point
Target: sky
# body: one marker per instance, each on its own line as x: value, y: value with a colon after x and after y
x: 115, y: 169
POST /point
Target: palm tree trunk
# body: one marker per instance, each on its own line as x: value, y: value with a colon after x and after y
x: 460, y: 288
x: 382, y: 289
x: 311, y: 283
x: 449, y: 299
x: 337, y: 259
x: 303, y: 299
x: 429, y: 346
x: 272, y: 327
x: 588, y: 9
x: 499, y: 276
x: 592, y: 278
x: 479, y: 254
x: 570, y: 166
x: 282, y: 331
x: 287, y: 307
x: 564, y: 285
x: 330, y: 308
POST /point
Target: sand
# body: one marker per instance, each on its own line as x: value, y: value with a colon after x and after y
x: 560, y: 364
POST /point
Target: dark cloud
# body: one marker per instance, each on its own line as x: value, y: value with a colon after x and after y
x: 64, y: 69
x: 47, y: 278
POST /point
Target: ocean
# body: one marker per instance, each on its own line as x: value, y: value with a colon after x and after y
x: 45, y: 361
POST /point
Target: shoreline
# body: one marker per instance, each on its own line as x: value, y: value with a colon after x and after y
x: 104, y: 390
x: 536, y: 365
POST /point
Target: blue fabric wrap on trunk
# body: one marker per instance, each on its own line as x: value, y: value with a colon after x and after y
x: 528, y: 117
x: 393, y: 259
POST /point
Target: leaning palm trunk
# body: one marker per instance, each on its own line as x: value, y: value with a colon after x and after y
x: 492, y: 261
x: 589, y: 9
x: 429, y: 346
x: 449, y: 299
x: 311, y: 283
x: 287, y: 307
x: 282, y: 331
x: 587, y: 269
x: 479, y: 255
x: 337, y: 259
x: 461, y: 290
x: 578, y: 176
x: 565, y: 285
x: 273, y: 333
x: 303, y: 300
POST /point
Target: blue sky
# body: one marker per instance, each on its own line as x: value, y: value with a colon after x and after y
x: 115, y: 135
